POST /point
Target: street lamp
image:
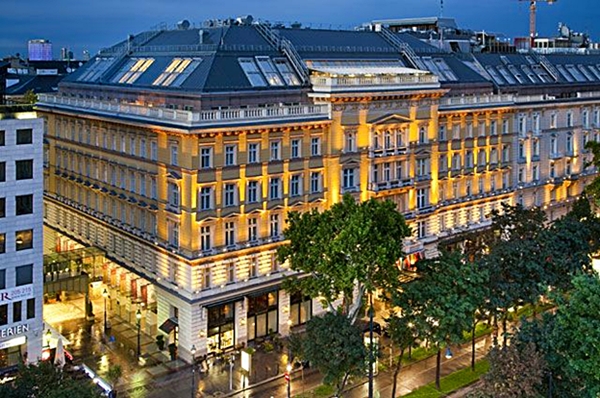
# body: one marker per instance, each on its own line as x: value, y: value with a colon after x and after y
x: 105, y: 295
x: 48, y: 336
x: 193, y: 371
x: 288, y: 374
x: 138, y: 316
x: 448, y: 353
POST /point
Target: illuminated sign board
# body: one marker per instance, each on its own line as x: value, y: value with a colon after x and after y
x: 13, y: 330
x: 16, y: 294
x: 13, y: 342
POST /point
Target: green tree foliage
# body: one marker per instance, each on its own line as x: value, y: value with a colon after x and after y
x: 515, y: 372
x: 593, y: 189
x: 569, y: 340
x: 335, y: 347
x: 444, y: 298
x: 402, y: 332
x: 47, y: 381
x: 352, y: 245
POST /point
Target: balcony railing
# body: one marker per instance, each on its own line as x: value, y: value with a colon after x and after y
x: 331, y: 84
x: 476, y: 100
x: 204, y: 118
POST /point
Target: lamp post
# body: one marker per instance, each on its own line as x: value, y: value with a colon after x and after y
x: 370, y: 345
x: 48, y: 335
x: 193, y: 371
x: 138, y: 316
x: 105, y: 295
x: 288, y: 375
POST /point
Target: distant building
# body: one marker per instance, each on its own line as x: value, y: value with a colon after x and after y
x: 21, y: 269
x: 66, y: 54
x: 39, y: 50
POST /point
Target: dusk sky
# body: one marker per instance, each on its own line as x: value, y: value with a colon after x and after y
x: 95, y: 24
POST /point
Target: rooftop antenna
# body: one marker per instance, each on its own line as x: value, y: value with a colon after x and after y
x: 441, y: 8
x: 440, y: 27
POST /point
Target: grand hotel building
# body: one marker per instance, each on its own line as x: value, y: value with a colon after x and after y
x: 179, y: 153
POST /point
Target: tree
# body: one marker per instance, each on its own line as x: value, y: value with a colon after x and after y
x: 444, y: 298
x: 335, y: 347
x: 350, y: 246
x: 46, y: 381
x: 569, y: 242
x: 516, y: 259
x: 515, y: 372
x: 402, y: 332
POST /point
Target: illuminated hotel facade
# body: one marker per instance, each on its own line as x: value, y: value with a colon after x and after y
x: 180, y: 152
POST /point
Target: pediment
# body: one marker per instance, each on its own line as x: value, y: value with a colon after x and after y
x: 393, y: 118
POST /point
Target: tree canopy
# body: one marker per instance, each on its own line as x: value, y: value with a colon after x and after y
x: 47, y: 381
x: 353, y: 245
x: 335, y: 347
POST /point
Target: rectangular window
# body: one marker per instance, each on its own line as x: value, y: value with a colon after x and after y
x: 315, y: 182
x: 229, y: 233
x: 24, y: 136
x: 252, y: 193
x: 24, y: 169
x: 422, y: 198
x: 173, y: 194
x: 177, y: 72
x: 17, y: 311
x: 253, y: 229
x: 295, y: 148
x: 206, y: 157
x: 229, y: 196
x: 3, y: 314
x: 132, y: 70
x: 275, y: 188
x: 206, y: 202
x: 2, y: 243
x: 173, y: 230
x: 253, y: 267
x: 275, y: 150
x: 143, y: 149
x: 24, y: 239
x: 231, y: 272
x: 24, y: 275
x: 2, y: 207
x: 2, y: 279
x: 24, y: 205
x: 230, y: 155
x: 315, y: 146
x: 253, y: 152
x: 174, y: 155
x: 286, y: 72
x: 206, y: 278
x: 205, y: 241
x: 31, y: 308
x: 350, y: 142
x: 2, y: 138
x: 274, y: 225
x: 349, y: 178
x: 153, y: 188
x: 269, y: 71
x: 296, y: 185
x: 153, y: 150
x: 442, y: 133
x: 2, y: 171
x: 252, y: 73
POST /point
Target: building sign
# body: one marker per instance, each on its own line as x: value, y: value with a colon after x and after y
x: 16, y: 294
x: 13, y: 330
x: 13, y: 342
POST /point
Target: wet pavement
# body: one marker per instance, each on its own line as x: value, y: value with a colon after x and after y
x: 89, y: 345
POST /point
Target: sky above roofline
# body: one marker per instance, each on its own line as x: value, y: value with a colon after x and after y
x: 80, y: 25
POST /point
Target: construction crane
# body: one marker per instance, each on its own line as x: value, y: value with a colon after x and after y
x: 532, y: 12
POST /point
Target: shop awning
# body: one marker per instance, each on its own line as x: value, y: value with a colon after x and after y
x: 169, y: 325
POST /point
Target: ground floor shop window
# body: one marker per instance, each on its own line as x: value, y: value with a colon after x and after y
x: 262, y: 315
x: 220, y: 327
x: 10, y: 357
x: 300, y: 309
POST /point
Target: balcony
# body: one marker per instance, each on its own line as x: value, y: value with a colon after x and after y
x: 206, y: 118
x: 363, y: 83
x: 386, y: 185
x: 379, y: 153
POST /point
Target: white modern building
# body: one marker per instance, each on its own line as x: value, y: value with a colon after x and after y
x: 21, y: 192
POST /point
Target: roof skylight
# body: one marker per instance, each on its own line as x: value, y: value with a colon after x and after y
x: 177, y: 72
x: 132, y: 70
